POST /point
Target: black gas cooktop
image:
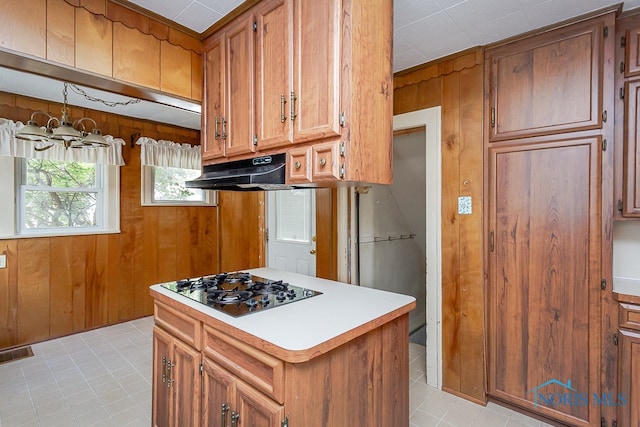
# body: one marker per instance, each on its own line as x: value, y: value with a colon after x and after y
x: 239, y: 293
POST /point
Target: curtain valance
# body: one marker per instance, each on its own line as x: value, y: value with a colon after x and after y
x: 11, y: 146
x: 169, y: 154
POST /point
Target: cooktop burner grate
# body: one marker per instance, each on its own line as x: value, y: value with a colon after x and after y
x: 239, y: 293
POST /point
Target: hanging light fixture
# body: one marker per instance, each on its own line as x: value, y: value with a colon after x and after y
x: 62, y: 131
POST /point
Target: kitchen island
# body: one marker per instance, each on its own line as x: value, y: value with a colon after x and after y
x: 336, y: 359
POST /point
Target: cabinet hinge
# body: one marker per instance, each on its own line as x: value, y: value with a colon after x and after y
x: 621, y: 93
x: 605, y: 32
x: 604, y: 116
x: 201, y: 369
x: 621, y: 67
x: 604, y: 145
x: 255, y: 26
x: 343, y: 149
x: 255, y: 139
x: 603, y: 284
x: 493, y: 117
x: 266, y: 235
x: 342, y: 171
x: 491, y: 242
x: 620, y: 206
x: 343, y: 120
x: 615, y: 339
x: 285, y: 422
x: 623, y: 41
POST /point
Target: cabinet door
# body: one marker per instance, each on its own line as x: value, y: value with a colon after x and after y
x: 632, y: 52
x: 547, y: 84
x: 274, y: 73
x: 544, y: 275
x: 255, y: 409
x: 161, y: 355
x: 213, y: 107
x: 218, y: 394
x: 237, y: 126
x: 186, y: 383
x: 631, y: 151
x: 317, y: 29
x: 629, y: 409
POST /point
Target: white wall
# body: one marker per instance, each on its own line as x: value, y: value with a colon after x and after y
x: 626, y: 257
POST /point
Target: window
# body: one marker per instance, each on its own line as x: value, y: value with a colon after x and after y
x: 55, y: 198
x: 165, y: 186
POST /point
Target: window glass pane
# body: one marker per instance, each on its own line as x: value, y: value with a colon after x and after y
x: 293, y: 215
x: 59, y: 195
x: 169, y: 185
x: 49, y: 173
x: 52, y: 209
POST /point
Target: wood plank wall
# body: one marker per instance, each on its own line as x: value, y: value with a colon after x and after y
x: 61, y: 285
x: 456, y: 84
x: 105, y: 38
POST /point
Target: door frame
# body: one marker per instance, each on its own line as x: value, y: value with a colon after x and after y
x: 430, y: 119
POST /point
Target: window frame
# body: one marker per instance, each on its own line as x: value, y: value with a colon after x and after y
x: 147, y: 190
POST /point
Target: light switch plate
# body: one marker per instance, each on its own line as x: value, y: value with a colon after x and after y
x: 3, y: 261
x: 464, y: 205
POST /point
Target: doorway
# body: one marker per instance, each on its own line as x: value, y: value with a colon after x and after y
x: 291, y: 239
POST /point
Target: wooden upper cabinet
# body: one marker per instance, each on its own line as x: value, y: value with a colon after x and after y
x: 213, y: 105
x: 631, y: 151
x: 237, y: 124
x: 274, y: 73
x: 548, y: 83
x: 317, y: 53
x: 631, y: 63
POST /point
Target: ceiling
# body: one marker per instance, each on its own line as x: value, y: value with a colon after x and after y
x: 424, y: 30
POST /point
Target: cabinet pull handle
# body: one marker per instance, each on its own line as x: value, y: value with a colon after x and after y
x: 225, y: 409
x: 234, y: 419
x: 282, y: 102
x: 297, y: 165
x: 224, y: 128
x: 164, y: 369
x: 323, y: 161
x: 216, y: 133
x: 293, y: 106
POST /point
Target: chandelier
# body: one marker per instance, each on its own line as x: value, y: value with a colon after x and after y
x: 63, y: 131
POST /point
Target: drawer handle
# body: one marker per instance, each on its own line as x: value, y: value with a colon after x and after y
x: 297, y: 165
x: 225, y: 409
x: 293, y: 106
x: 323, y: 161
x: 216, y: 133
x: 234, y: 419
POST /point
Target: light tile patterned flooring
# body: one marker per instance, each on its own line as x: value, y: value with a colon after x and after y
x: 103, y: 378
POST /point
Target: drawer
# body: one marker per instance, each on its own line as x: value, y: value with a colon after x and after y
x: 299, y: 166
x: 630, y: 316
x: 326, y: 161
x: 179, y: 325
x: 262, y: 371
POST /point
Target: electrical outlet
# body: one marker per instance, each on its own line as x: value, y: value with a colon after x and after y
x: 3, y: 261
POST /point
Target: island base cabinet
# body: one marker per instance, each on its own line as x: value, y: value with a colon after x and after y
x: 176, y: 380
x: 227, y: 399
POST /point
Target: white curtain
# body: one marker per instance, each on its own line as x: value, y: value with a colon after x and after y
x: 169, y: 154
x: 13, y: 147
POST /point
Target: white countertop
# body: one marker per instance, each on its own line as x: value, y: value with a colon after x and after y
x: 307, y: 323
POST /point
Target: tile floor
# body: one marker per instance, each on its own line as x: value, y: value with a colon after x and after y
x: 103, y: 378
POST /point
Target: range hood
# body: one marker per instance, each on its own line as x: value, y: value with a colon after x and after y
x: 258, y: 173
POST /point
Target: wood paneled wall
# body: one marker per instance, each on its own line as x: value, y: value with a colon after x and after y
x: 61, y: 285
x: 456, y: 84
x: 103, y: 37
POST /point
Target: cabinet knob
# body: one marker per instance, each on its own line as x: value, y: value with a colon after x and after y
x: 297, y: 165
x: 323, y: 161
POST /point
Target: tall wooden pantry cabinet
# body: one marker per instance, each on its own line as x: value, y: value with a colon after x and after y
x: 547, y: 126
